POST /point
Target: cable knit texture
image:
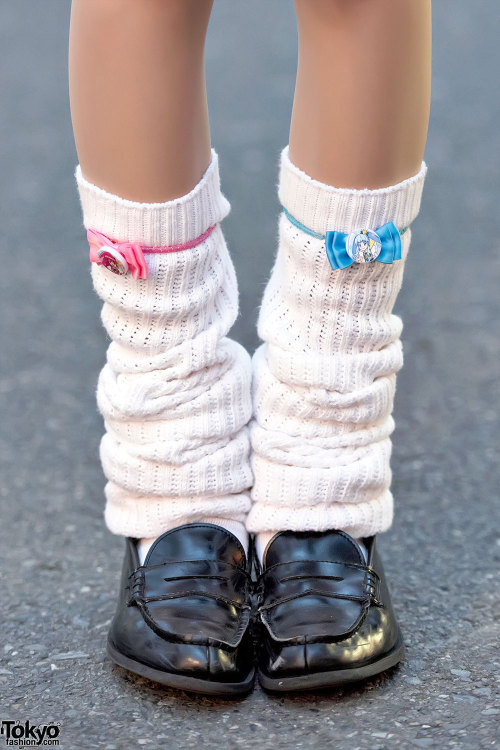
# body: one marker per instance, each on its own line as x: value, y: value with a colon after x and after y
x: 325, y: 376
x: 175, y: 391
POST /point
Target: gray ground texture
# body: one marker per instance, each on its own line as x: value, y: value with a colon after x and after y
x: 60, y: 565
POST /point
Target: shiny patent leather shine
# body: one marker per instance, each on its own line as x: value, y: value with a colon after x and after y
x: 183, y: 617
x: 325, y: 615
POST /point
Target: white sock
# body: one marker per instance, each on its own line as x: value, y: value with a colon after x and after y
x: 175, y: 391
x: 325, y: 376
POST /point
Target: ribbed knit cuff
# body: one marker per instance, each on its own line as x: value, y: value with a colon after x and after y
x: 155, y: 224
x: 323, y: 208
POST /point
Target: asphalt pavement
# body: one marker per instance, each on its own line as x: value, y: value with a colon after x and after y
x: 59, y: 564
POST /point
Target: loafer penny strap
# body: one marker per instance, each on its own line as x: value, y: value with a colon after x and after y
x: 204, y: 602
x: 316, y: 600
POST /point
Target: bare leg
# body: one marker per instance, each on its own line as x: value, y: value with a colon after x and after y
x: 362, y: 97
x: 138, y: 99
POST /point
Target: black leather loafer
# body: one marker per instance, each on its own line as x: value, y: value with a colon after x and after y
x: 183, y: 617
x: 325, y: 616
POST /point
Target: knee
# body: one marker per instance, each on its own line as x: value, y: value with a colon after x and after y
x: 326, y: 11
x: 114, y: 16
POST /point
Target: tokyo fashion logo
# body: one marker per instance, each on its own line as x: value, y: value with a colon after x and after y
x: 26, y: 734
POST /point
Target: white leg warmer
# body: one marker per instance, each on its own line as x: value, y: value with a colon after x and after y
x: 175, y: 391
x: 324, y: 378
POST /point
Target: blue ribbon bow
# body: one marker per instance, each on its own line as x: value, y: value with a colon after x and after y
x: 337, y: 244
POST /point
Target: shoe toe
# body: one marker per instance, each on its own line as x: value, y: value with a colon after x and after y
x: 233, y: 665
x: 133, y: 638
x: 366, y: 646
x: 277, y: 661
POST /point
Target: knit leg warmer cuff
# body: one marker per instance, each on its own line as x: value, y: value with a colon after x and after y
x: 175, y: 391
x: 325, y: 376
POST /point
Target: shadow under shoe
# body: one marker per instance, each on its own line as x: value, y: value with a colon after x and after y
x: 325, y: 616
x: 183, y: 617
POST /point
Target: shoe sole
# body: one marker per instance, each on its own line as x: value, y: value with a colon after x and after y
x: 179, y: 681
x: 337, y: 678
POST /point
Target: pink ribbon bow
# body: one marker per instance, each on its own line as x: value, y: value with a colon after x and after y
x: 123, y: 257
x: 131, y: 252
